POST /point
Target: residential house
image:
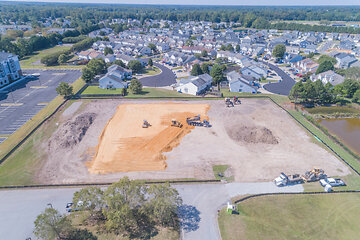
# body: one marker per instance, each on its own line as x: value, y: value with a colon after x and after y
x: 329, y: 77
x: 114, y: 79
x: 10, y: 69
x: 292, y: 58
x: 237, y: 83
x: 345, y: 60
x: 194, y: 85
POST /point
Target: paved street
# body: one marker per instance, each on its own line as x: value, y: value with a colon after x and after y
x: 283, y: 87
x: 198, y: 213
x: 27, y: 98
x: 165, y: 78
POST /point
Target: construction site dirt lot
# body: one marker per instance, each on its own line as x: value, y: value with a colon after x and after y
x: 103, y: 140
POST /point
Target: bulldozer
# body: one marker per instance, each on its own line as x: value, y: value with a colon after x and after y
x: 314, y: 175
x: 146, y: 124
x: 175, y: 123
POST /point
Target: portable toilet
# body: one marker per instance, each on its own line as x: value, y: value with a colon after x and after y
x: 230, y: 208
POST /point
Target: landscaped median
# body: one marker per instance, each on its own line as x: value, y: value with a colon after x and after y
x: 95, y: 91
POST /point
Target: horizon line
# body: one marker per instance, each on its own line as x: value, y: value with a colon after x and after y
x: 182, y: 5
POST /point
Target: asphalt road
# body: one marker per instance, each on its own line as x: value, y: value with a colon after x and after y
x: 283, y: 87
x: 198, y: 215
x: 27, y: 98
x: 165, y: 78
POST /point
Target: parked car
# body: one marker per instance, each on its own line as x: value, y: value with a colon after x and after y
x: 70, y: 207
x: 334, y: 182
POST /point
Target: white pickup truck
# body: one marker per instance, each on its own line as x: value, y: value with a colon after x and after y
x: 334, y: 182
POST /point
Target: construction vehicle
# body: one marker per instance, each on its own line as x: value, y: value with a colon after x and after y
x: 146, y: 124
x: 196, y: 121
x: 237, y: 100
x: 228, y: 102
x: 314, y: 175
x: 284, y: 180
x: 334, y: 182
x: 175, y: 123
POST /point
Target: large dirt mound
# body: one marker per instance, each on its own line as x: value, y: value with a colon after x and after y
x: 72, y: 132
x: 251, y: 134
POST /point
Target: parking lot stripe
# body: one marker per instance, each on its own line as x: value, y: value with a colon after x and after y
x: 37, y: 87
x: 11, y: 104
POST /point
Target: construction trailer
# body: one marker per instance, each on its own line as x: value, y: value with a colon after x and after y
x: 284, y: 180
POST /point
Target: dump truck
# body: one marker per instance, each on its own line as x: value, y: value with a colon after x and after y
x: 284, y: 180
x: 175, y: 123
x: 334, y: 182
x: 146, y: 124
x: 314, y: 175
x: 196, y: 121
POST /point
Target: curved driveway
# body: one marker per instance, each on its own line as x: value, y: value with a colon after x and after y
x: 283, y: 87
x: 165, y: 78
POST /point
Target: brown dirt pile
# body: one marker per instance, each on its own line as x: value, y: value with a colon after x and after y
x: 251, y: 134
x: 72, y: 132
x: 125, y: 146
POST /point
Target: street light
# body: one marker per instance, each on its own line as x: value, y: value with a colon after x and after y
x: 49, y: 204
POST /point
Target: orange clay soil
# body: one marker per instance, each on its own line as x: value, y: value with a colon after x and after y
x: 125, y: 146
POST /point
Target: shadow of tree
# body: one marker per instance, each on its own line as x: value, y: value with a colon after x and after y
x: 189, y: 218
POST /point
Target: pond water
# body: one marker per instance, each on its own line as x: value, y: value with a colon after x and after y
x: 346, y: 129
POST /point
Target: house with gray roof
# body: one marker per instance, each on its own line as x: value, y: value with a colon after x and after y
x: 237, y: 83
x: 10, y: 69
x: 194, y: 85
x: 328, y: 77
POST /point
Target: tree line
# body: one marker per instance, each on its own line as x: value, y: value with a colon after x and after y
x: 24, y: 47
x: 127, y: 208
x: 311, y: 93
x: 82, y: 15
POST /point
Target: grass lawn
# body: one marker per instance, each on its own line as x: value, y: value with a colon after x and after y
x: 294, y: 217
x: 146, y: 92
x: 33, y: 61
x: 219, y: 172
x: 151, y: 71
x: 332, y: 110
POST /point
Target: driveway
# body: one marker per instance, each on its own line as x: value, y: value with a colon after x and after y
x: 283, y: 87
x: 198, y: 215
x: 165, y: 78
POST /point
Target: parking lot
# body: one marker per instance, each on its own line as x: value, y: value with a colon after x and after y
x: 28, y: 97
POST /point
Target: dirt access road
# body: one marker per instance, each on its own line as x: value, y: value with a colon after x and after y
x: 256, y: 139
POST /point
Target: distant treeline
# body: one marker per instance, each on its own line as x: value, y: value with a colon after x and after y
x: 85, y: 13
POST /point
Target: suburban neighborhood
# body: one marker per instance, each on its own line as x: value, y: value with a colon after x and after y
x: 128, y: 121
